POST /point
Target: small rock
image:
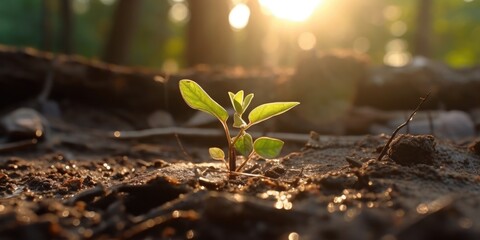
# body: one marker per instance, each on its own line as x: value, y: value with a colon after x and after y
x: 353, y: 162
x: 24, y: 123
x: 203, y: 119
x: 160, y: 119
x: 409, y: 149
x: 339, y: 182
x: 200, y: 119
x: 454, y: 125
x: 50, y: 108
x: 475, y: 147
x: 275, y: 172
x: 313, y: 140
x: 210, y: 184
x: 475, y: 115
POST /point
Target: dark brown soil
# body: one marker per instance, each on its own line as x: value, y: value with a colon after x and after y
x: 81, y: 183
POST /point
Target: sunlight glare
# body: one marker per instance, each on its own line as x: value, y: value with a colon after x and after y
x: 270, y: 43
x: 239, y: 16
x: 292, y: 10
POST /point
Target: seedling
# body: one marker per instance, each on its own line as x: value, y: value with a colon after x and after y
x: 243, y: 143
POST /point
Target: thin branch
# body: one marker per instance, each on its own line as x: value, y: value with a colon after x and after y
x: 14, y: 146
x: 250, y: 156
x: 385, y: 148
x: 430, y: 122
x: 253, y: 175
x: 189, y: 158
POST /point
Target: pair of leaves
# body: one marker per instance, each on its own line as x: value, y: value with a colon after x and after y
x: 264, y: 147
x: 197, y: 98
x: 239, y: 105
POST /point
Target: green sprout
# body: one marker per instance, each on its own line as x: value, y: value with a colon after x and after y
x: 243, y: 143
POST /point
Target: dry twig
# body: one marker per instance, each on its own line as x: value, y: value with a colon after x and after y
x: 385, y: 148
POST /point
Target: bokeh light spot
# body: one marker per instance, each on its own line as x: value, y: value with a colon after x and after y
x: 81, y: 6
x: 306, y: 41
x: 392, y: 13
x: 108, y: 2
x: 170, y: 66
x: 178, y: 13
x: 239, y: 16
x: 293, y: 236
x: 396, y: 58
x: 398, y: 28
x: 361, y: 45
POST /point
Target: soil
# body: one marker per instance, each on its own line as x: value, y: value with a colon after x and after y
x: 80, y: 182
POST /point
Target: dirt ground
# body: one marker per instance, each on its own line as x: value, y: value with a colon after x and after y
x: 81, y: 182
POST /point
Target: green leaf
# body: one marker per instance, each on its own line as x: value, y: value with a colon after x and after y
x: 268, y: 110
x: 216, y: 153
x: 268, y: 147
x: 237, y: 100
x: 246, y: 101
x: 197, y: 98
x: 238, y: 121
x: 244, y: 144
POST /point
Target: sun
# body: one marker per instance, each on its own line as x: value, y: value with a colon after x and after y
x: 291, y: 10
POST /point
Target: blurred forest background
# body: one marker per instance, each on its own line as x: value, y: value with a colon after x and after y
x: 174, y: 34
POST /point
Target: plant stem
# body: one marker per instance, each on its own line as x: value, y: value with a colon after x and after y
x: 231, y: 151
x: 238, y: 135
x: 245, y: 162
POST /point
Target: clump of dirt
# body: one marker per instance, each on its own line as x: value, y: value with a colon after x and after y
x: 475, y: 147
x: 409, y: 149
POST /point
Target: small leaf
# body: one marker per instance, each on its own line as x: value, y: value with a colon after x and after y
x: 244, y: 144
x: 268, y: 147
x: 247, y: 101
x: 237, y: 100
x: 268, y: 110
x: 238, y: 121
x: 216, y: 153
x: 239, y: 96
x: 197, y: 98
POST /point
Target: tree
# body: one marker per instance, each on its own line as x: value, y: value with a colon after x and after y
x: 121, y: 34
x: 209, y: 37
x: 66, y: 36
x: 422, y: 41
x: 46, y: 26
x: 255, y: 32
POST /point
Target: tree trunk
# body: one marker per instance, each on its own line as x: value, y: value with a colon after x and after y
x: 209, y: 33
x: 422, y: 44
x: 66, y: 41
x: 121, y: 34
x: 255, y: 33
x: 46, y: 26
